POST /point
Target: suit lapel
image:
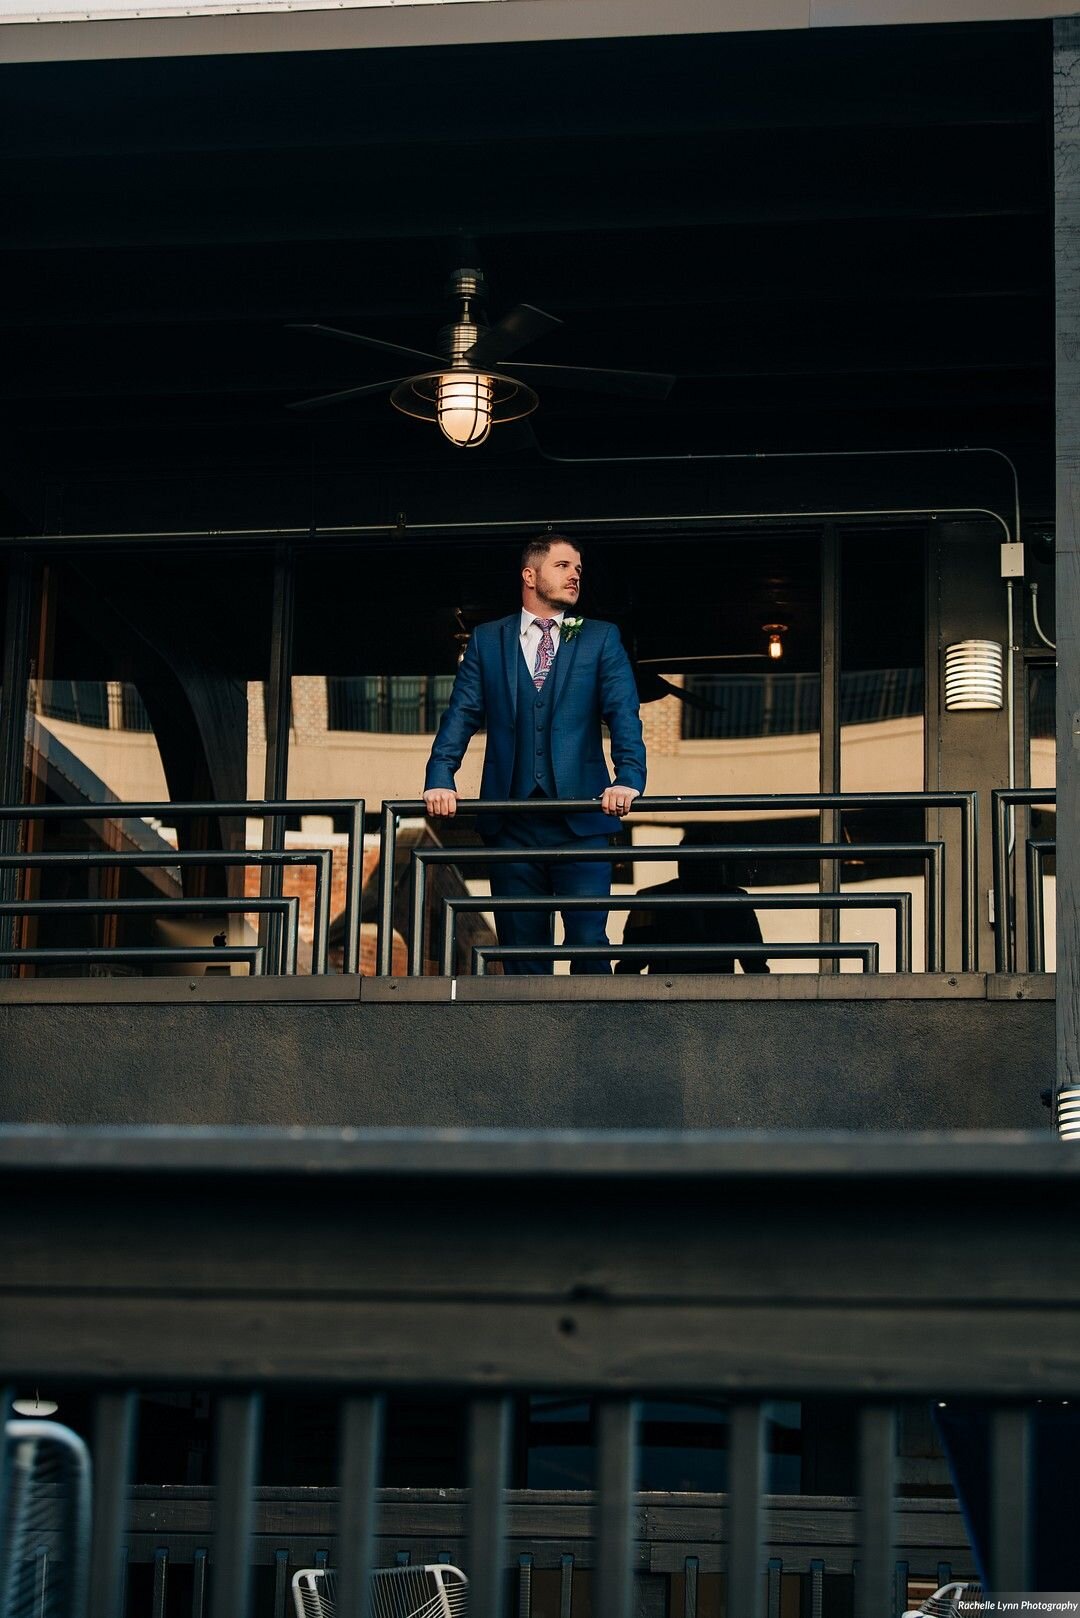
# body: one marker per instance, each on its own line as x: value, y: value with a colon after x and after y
x: 563, y: 659
x: 511, y: 635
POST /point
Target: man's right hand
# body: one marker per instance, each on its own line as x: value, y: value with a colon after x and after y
x: 440, y: 801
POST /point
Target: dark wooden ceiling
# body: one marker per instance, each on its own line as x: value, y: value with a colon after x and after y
x: 837, y: 240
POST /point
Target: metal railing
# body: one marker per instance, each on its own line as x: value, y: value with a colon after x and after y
x: 930, y: 852
x: 287, y: 908
x: 1004, y: 800
x: 249, y: 955
x: 615, y: 1267
x: 900, y: 903
x: 351, y: 810
x: 932, y: 855
x: 319, y: 859
x: 678, y: 1536
x: 867, y: 954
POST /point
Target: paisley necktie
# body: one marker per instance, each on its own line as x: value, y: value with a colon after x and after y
x: 545, y: 652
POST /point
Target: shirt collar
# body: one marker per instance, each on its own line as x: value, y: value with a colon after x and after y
x: 528, y: 617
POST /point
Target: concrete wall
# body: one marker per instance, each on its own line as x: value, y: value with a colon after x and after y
x: 968, y: 1052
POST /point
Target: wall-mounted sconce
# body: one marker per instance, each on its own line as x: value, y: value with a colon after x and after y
x: 974, y: 676
x: 776, y: 645
x: 1068, y: 1112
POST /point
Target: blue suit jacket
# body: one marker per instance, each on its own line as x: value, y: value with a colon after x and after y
x: 592, y: 681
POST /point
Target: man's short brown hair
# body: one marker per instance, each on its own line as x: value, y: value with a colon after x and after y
x: 536, y: 549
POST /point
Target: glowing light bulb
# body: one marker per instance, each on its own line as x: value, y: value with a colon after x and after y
x: 776, y: 646
x: 463, y: 407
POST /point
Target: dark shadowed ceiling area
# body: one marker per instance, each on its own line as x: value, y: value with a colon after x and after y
x: 836, y: 240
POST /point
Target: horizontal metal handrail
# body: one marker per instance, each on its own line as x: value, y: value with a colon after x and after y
x: 318, y: 858
x: 965, y: 803
x: 1003, y: 800
x: 931, y: 853
x: 287, y: 907
x: 455, y: 905
x: 250, y: 955
x: 251, y: 808
x: 866, y: 953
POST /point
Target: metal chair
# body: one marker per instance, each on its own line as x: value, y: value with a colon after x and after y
x: 45, y: 1555
x: 942, y: 1604
x: 434, y: 1591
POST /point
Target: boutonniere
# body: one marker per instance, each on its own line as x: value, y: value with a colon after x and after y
x: 570, y: 628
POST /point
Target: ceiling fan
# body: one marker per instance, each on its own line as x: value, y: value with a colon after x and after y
x: 468, y: 388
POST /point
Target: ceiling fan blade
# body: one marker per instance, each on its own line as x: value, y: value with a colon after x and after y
x: 368, y: 342
x: 346, y: 393
x: 522, y: 325
x: 706, y: 657
x: 645, y: 384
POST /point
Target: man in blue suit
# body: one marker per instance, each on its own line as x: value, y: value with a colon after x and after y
x: 541, y: 682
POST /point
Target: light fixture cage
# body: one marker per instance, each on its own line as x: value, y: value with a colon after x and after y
x: 974, y: 676
x: 418, y: 396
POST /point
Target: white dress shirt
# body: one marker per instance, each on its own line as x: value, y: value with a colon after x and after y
x: 531, y: 634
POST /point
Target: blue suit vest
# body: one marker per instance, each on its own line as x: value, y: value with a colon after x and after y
x: 532, y: 735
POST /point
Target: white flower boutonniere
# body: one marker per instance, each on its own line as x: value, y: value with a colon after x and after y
x: 570, y: 628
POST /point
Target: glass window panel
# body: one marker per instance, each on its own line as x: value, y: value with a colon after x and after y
x: 143, y: 663
x: 883, y: 724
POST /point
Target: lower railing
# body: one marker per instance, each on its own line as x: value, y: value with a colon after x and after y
x: 680, y: 1548
x: 492, y: 1265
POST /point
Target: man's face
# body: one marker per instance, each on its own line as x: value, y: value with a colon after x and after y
x: 557, y: 577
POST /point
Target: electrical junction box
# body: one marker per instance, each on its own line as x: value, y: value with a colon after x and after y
x: 1012, y: 560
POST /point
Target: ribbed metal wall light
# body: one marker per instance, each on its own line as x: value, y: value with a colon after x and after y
x: 974, y: 676
x: 1068, y: 1113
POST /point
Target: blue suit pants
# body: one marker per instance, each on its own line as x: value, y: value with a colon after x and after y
x: 535, y: 878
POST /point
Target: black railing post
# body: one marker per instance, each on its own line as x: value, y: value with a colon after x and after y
x: 489, y: 1453
x: 239, y: 1422
x: 387, y: 863
x: 361, y: 1429
x: 874, y: 1587
x: 114, y: 1444
x: 745, y: 1488
x: 616, y: 1456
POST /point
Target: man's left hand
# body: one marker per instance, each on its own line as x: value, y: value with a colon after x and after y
x: 616, y: 800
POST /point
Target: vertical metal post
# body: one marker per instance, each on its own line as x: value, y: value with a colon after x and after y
x: 278, y: 710
x: 829, y: 736
x: 1002, y: 896
x: 489, y: 1452
x: 14, y: 682
x: 387, y: 860
x: 566, y: 1585
x: 1066, y: 91
x: 1036, y: 954
x: 877, y: 1450
x: 417, y: 912
x: 616, y: 1456
x: 354, y: 882
x: 361, y: 1452
x: 114, y: 1442
x: 690, y: 1586
x: 969, y: 877
x: 1010, y: 1500
x: 234, y: 1515
x: 745, y: 1582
